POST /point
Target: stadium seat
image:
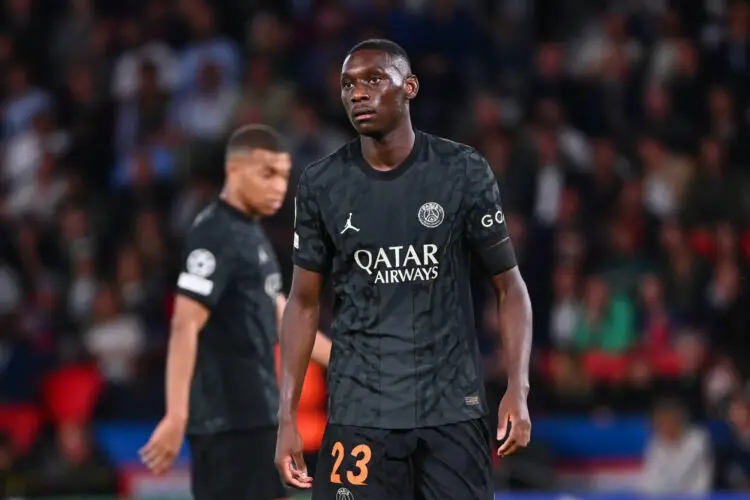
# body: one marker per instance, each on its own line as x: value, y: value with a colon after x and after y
x: 745, y: 244
x: 22, y: 424
x: 703, y: 243
x: 667, y: 364
x: 604, y: 366
x: 546, y: 363
x: 71, y: 393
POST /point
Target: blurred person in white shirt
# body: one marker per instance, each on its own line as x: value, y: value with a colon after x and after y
x: 679, y: 456
x: 115, y: 340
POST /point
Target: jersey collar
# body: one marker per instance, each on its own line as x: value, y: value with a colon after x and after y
x: 393, y: 173
x: 235, y: 212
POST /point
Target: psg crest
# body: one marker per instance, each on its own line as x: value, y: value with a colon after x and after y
x: 431, y: 214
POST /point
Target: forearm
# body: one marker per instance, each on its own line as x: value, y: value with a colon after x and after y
x: 298, y: 333
x: 516, y: 333
x: 183, y: 346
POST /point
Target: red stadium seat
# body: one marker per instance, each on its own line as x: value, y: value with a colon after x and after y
x: 71, y: 393
x: 22, y: 424
x: 703, y: 243
x: 745, y: 244
x: 546, y: 363
x: 667, y: 364
x: 604, y: 366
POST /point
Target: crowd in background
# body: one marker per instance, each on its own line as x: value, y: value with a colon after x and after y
x: 617, y: 131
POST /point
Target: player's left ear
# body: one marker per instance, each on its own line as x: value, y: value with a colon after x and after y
x: 411, y: 85
x: 230, y: 166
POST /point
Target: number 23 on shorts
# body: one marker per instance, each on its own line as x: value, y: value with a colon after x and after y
x: 361, y: 453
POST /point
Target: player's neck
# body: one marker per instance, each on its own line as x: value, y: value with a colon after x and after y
x: 390, y: 150
x: 234, y: 201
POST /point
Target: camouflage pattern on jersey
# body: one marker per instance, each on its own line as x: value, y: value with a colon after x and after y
x: 397, y: 248
x: 230, y: 267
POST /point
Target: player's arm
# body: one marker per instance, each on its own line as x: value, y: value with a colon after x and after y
x: 166, y: 441
x: 207, y: 270
x: 187, y: 321
x: 321, y: 351
x: 312, y: 257
x: 515, y: 326
x: 487, y: 232
x: 299, y: 327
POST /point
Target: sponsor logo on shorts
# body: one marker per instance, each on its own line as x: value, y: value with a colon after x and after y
x: 344, y: 494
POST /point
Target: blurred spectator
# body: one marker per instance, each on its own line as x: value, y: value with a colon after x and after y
x: 67, y: 462
x: 616, y: 133
x: 115, y: 339
x: 309, y: 139
x: 143, y: 118
x: 207, y: 49
x: 82, y: 288
x: 26, y: 151
x: 572, y: 391
x: 607, y: 320
x: 712, y: 194
x: 23, y: 103
x: 41, y: 198
x: 21, y: 364
x: 11, y: 480
x: 722, y: 383
x: 734, y: 460
x: 205, y: 113
x: 679, y: 456
x: 684, y: 274
x: 143, y: 48
x: 72, y: 38
x: 264, y: 97
x: 664, y: 179
x: 657, y: 323
x: 566, y: 313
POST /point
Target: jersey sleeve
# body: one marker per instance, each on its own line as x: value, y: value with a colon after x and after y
x: 486, y: 229
x: 312, y: 246
x: 207, y: 266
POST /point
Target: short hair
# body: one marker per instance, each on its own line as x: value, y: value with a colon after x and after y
x: 382, y: 45
x: 671, y: 405
x: 256, y: 136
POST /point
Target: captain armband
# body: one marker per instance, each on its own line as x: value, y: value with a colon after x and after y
x: 498, y: 257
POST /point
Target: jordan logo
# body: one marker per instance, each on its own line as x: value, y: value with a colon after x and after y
x: 349, y: 225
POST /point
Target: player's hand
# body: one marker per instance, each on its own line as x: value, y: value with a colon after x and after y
x: 289, y: 459
x: 164, y: 445
x: 514, y: 423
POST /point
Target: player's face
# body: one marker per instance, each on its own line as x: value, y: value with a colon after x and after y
x: 375, y: 91
x: 262, y: 178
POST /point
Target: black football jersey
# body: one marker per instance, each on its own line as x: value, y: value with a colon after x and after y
x: 396, y: 246
x: 230, y: 267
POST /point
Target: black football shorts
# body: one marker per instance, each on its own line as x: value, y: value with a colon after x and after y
x: 236, y: 465
x: 448, y: 462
